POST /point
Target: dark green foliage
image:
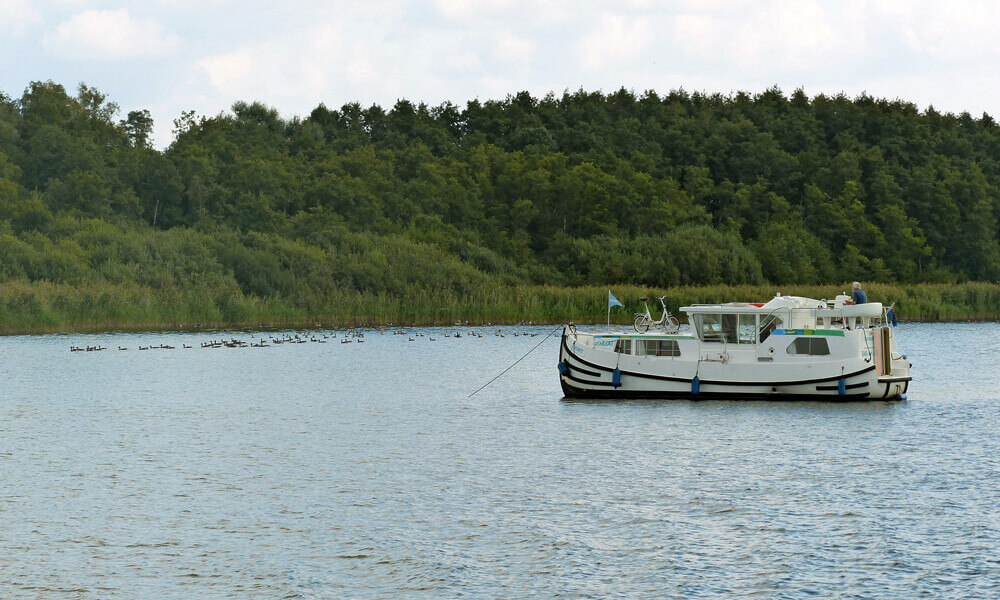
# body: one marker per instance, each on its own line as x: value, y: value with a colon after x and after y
x: 442, y: 202
x: 139, y: 127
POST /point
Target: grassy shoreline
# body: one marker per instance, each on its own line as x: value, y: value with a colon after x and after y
x: 42, y: 307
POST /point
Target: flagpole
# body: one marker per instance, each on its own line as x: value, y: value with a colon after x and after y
x: 609, y: 309
x: 612, y: 301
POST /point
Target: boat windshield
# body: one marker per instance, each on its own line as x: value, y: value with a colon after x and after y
x: 715, y: 328
x: 730, y: 328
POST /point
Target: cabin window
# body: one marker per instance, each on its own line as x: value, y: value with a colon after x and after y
x: 710, y: 327
x: 623, y: 346
x: 746, y: 329
x: 662, y: 348
x: 809, y: 346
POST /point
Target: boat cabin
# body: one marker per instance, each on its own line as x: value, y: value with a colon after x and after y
x: 753, y: 322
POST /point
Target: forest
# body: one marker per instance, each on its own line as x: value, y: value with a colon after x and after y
x: 432, y: 213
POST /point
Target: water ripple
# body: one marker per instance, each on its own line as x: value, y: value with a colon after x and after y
x: 365, y: 471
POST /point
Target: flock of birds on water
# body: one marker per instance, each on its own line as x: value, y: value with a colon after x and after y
x: 351, y: 336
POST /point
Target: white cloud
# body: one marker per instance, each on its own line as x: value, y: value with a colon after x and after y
x: 468, y: 9
x: 775, y: 40
x: 110, y: 34
x: 698, y: 34
x: 230, y: 72
x: 520, y: 14
x: 959, y: 31
x: 497, y: 87
x: 510, y: 47
x: 15, y: 15
x: 316, y: 64
x: 467, y: 61
x: 361, y: 70
x: 619, y: 39
x: 793, y: 34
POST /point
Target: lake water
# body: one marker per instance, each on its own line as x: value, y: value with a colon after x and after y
x: 365, y: 471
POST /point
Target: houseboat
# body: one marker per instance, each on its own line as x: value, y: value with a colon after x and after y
x: 788, y: 348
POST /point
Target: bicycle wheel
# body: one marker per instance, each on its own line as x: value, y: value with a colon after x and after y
x: 641, y: 324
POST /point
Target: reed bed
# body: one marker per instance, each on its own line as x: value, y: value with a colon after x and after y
x: 43, y: 307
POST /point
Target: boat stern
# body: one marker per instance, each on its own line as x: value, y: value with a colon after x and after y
x: 891, y: 366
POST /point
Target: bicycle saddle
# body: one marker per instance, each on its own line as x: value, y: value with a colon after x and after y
x: 643, y: 299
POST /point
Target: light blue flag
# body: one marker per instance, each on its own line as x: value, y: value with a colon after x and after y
x: 612, y: 301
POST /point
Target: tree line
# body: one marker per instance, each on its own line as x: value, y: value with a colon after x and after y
x: 583, y: 188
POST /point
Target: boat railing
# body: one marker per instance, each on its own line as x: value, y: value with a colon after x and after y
x: 765, y: 324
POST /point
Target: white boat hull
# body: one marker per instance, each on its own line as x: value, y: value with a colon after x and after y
x: 724, y: 371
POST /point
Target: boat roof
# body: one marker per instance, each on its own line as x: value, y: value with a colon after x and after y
x: 835, y: 308
x: 791, y: 302
x: 650, y: 335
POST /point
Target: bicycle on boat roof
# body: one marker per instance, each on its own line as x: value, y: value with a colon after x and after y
x: 643, y: 321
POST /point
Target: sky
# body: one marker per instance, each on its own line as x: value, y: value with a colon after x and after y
x: 169, y: 56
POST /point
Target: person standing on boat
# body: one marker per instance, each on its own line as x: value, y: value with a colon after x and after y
x: 858, y: 295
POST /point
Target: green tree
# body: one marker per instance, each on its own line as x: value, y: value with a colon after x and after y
x: 139, y: 128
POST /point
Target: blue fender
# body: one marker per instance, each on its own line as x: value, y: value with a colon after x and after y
x: 616, y: 378
x: 695, y: 386
x: 841, y: 387
x: 563, y: 369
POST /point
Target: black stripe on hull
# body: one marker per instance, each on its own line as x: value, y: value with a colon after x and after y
x: 577, y: 369
x: 853, y: 386
x: 573, y: 392
x: 578, y: 380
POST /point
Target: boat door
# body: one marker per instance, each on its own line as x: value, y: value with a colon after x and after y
x: 883, y: 351
x: 766, y: 325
